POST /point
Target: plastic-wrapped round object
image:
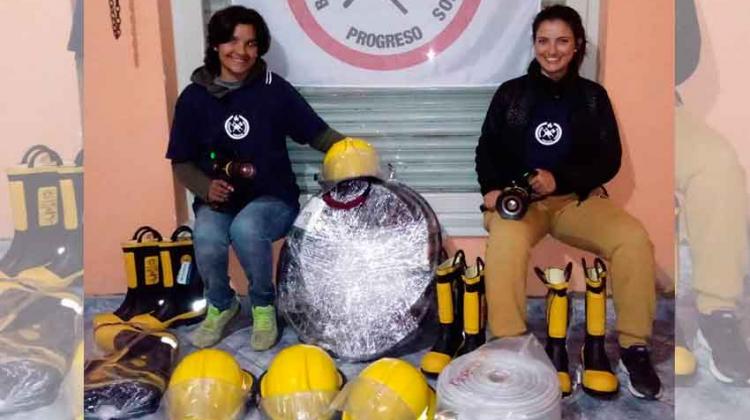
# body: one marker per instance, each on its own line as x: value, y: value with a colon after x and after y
x: 509, y: 378
x: 357, y: 266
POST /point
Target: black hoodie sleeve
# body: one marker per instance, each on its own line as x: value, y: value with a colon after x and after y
x: 489, y: 151
x: 604, y: 163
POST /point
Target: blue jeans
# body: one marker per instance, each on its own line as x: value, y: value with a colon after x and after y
x: 251, y: 232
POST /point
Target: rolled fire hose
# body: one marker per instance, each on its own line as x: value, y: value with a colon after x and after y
x: 493, y: 383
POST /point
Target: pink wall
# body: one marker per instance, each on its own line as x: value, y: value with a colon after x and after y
x: 636, y: 65
x: 40, y: 88
x: 638, y: 71
x: 717, y: 91
x: 127, y: 103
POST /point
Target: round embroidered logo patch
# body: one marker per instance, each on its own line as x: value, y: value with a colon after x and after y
x: 548, y: 133
x: 236, y: 126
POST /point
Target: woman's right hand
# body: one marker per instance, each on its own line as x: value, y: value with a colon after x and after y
x: 490, y: 199
x: 219, y: 190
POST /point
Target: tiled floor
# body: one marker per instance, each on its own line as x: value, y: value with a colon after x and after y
x: 578, y: 406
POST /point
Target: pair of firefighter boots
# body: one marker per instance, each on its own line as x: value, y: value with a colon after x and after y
x: 596, y: 375
x: 129, y: 381
x: 462, y: 312
x: 165, y: 289
x: 38, y: 338
x: 47, y: 207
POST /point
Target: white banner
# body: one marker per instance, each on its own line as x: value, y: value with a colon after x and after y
x: 398, y: 42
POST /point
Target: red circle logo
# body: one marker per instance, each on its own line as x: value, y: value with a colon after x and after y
x: 397, y: 34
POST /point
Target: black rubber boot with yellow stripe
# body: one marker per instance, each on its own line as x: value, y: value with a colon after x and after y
x: 475, y: 308
x: 66, y: 268
x: 142, y: 269
x: 558, y: 319
x: 450, y: 315
x: 182, y: 301
x: 130, y: 382
x: 37, y: 344
x: 597, y: 377
x: 36, y: 207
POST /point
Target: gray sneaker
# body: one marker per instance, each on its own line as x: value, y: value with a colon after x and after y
x: 210, y: 331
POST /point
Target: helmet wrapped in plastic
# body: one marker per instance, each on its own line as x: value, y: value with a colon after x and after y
x: 209, y: 384
x: 357, y: 266
x: 300, y: 383
x: 387, y: 389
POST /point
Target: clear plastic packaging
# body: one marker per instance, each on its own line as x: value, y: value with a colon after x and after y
x: 309, y: 405
x: 507, y: 378
x: 39, y: 334
x: 367, y: 399
x: 356, y: 268
x: 131, y: 381
x: 206, y: 399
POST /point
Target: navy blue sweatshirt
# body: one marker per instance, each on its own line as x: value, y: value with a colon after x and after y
x: 248, y: 123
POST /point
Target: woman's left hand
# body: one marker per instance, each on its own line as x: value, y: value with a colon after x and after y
x: 543, y: 182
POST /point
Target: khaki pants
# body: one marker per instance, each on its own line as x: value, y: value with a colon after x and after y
x: 712, y: 181
x: 595, y: 225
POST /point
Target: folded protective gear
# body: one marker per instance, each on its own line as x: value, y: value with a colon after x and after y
x: 131, y: 381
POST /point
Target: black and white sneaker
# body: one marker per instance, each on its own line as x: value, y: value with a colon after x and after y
x: 643, y: 382
x: 719, y: 332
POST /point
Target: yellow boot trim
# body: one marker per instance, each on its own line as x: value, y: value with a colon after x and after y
x: 151, y: 270
x: 684, y: 361
x: 69, y: 205
x: 4, y: 276
x: 596, y: 309
x: 47, y: 205
x: 44, y: 279
x: 557, y: 315
x: 445, y: 302
x: 18, y: 206
x: 600, y: 381
x: 434, y: 362
x: 557, y: 303
x: 472, y: 306
x: 166, y: 264
x: 471, y: 313
x: 23, y: 170
x: 447, y: 267
x: 130, y: 274
x: 566, y: 385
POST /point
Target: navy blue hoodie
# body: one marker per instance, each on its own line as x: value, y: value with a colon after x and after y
x: 247, y: 123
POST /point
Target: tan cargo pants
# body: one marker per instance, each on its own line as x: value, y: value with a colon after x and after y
x: 596, y: 225
x: 712, y: 181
